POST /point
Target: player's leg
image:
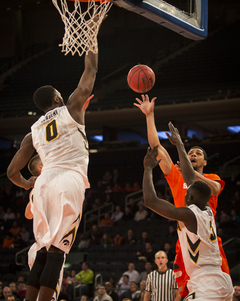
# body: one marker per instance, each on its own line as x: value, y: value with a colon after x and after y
x: 33, y: 285
x: 50, y: 274
x: 180, y: 273
x: 224, y: 267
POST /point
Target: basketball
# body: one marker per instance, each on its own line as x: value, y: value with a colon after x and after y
x: 141, y: 78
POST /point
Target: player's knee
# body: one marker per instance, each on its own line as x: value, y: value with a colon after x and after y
x: 37, y: 269
x: 50, y: 274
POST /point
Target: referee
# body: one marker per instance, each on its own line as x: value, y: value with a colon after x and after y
x: 161, y: 284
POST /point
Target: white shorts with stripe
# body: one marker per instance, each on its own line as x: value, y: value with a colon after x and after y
x: 210, y: 286
x: 57, y: 208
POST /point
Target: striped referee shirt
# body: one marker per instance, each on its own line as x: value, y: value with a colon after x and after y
x: 161, y: 285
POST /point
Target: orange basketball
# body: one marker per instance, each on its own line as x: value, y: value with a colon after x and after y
x: 141, y: 78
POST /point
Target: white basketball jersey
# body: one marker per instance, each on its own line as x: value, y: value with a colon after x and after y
x: 61, y: 142
x: 202, y: 249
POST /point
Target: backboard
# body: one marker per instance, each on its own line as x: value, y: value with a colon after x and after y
x: 186, y: 17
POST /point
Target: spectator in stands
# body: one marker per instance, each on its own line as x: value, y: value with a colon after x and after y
x: 102, y: 294
x: 136, y: 186
x: 95, y: 231
x: 13, y: 288
x: 107, y: 177
x: 131, y: 272
x: 127, y: 216
x: 169, y: 251
x: 133, y: 293
x: 18, y: 243
x: 147, y: 254
x: 106, y: 221
x: 21, y: 289
x: 110, y: 291
x: 83, y: 243
x: 127, y: 187
x: 108, y: 189
x: 236, y: 294
x: 133, y: 206
x: 124, y: 284
x: 86, y: 278
x: 11, y: 298
x: 141, y: 213
x: 119, y: 240
x: 130, y: 239
x: 143, y: 275
x: 112, y: 280
x: 117, y: 188
x: 71, y: 279
x: 84, y: 298
x: 93, y: 241
x: 9, y: 214
x: 142, y: 289
x: 15, y: 229
x: 144, y: 238
x: 8, y: 241
x: 25, y: 234
x: 97, y: 202
x: 117, y: 214
x: 116, y: 178
x: 106, y: 240
x: 108, y: 199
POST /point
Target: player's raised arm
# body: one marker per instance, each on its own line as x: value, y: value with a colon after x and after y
x: 188, y: 172
x: 147, y: 107
x: 85, y: 86
x: 161, y: 206
x: 19, y: 161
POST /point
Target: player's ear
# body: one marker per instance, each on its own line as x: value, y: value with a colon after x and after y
x: 39, y: 168
x: 204, y: 163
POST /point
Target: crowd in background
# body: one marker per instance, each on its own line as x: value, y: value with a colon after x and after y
x: 16, y: 232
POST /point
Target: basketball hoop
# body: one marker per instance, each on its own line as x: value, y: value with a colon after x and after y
x: 81, y: 28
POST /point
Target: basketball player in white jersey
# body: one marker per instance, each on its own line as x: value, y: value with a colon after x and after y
x: 35, y: 168
x: 60, y: 140
x: 196, y: 228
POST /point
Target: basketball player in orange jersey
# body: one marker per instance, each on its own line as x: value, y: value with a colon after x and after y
x: 196, y: 227
x: 198, y: 158
x: 60, y: 140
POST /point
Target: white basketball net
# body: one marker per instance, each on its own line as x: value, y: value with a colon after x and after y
x: 81, y: 28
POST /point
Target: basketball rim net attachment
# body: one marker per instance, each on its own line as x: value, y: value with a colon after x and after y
x: 81, y: 28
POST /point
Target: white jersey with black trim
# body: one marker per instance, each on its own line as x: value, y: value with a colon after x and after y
x: 61, y: 142
x: 201, y: 249
x: 202, y: 259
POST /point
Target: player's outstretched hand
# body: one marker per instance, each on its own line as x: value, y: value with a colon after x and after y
x: 150, y: 160
x: 145, y: 105
x: 175, y: 137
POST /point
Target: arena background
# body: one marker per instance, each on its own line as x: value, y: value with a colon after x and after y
x: 197, y: 87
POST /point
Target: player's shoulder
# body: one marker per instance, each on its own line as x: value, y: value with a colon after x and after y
x: 212, y: 176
